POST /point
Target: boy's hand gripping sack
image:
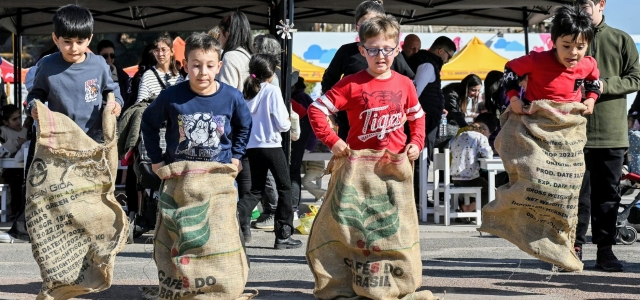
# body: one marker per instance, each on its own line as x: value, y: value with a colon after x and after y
x: 76, y: 225
x: 365, y: 240
x: 543, y: 155
x: 197, y: 245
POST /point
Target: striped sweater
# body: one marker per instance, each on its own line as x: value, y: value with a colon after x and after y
x: 151, y: 88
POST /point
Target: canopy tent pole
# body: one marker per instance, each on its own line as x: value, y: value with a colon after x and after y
x: 283, y: 12
x: 17, y: 61
x: 525, y: 26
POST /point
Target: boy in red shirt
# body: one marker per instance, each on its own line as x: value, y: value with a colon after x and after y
x: 560, y: 73
x: 377, y: 100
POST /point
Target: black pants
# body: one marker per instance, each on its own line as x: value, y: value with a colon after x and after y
x: 431, y: 127
x: 600, y: 195
x: 243, y: 179
x: 261, y: 160
x: 15, y: 178
x: 297, y: 154
x: 343, y: 125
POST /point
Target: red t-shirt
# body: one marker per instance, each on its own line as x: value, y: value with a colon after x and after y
x: 376, y: 109
x: 550, y: 79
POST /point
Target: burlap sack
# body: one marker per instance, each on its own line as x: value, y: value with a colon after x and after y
x: 365, y: 240
x: 543, y: 155
x: 76, y: 225
x: 197, y: 245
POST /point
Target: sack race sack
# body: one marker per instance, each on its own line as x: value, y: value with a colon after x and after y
x: 75, y: 222
x: 197, y: 245
x: 543, y: 155
x: 365, y: 240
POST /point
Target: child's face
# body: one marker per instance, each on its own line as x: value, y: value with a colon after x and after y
x: 202, y: 67
x: 72, y: 49
x: 14, y: 122
x: 379, y: 63
x: 568, y: 51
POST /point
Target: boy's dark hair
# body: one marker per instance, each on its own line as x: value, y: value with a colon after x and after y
x: 105, y: 44
x: 8, y: 110
x: 73, y: 21
x: 444, y: 43
x: 237, y: 26
x: 487, y: 119
x: 385, y: 25
x: 367, y: 7
x: 261, y: 68
x: 588, y: 2
x: 570, y: 20
x: 201, y: 41
x: 166, y: 38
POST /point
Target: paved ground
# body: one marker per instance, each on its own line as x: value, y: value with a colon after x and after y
x: 458, y: 263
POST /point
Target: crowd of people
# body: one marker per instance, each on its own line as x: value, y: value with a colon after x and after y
x: 223, y: 103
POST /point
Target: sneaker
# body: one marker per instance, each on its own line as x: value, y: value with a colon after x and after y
x: 607, y: 261
x: 263, y: 216
x: 266, y: 224
x: 295, y: 215
x: 287, y: 243
x: 245, y: 227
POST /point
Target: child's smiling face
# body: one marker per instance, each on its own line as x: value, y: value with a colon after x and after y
x: 202, y: 67
x: 379, y: 52
x: 570, y: 50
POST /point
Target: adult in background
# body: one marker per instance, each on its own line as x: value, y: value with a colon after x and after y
x: 429, y: 89
x: 301, y: 98
x: 237, y: 47
x: 107, y: 50
x: 348, y: 60
x: 458, y: 95
x: 410, y: 47
x: 268, y: 44
x: 607, y: 139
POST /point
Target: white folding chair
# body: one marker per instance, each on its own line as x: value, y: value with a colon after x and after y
x: 446, y: 208
x: 425, y: 186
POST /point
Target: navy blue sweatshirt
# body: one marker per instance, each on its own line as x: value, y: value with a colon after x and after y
x: 199, y: 127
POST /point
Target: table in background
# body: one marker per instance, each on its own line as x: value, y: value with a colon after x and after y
x: 493, y: 166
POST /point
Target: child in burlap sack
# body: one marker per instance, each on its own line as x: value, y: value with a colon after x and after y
x: 197, y: 245
x: 365, y: 241
x: 557, y: 79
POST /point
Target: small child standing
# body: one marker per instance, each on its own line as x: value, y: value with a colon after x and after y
x: 270, y: 119
x: 12, y: 136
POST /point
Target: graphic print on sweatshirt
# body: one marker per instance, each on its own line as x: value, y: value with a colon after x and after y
x: 91, y: 90
x: 200, y: 135
x: 382, y: 114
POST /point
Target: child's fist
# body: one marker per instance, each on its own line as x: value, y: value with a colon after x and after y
x: 340, y: 149
x: 518, y: 106
x: 413, y: 152
x: 115, y: 108
x: 589, y: 103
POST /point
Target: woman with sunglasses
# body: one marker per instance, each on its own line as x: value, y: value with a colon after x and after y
x: 107, y: 50
x: 164, y: 74
x: 348, y: 60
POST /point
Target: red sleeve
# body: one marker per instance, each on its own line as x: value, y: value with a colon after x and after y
x: 513, y: 70
x: 298, y: 108
x: 330, y: 103
x: 415, y: 117
x: 592, y: 81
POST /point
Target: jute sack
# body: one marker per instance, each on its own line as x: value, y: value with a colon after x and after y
x: 543, y: 155
x: 76, y: 225
x: 197, y: 246
x: 365, y: 240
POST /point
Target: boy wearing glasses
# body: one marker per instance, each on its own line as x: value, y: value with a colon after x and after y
x: 377, y: 100
x: 107, y: 50
x: 73, y: 81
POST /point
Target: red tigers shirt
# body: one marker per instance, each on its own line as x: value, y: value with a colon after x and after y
x: 376, y: 109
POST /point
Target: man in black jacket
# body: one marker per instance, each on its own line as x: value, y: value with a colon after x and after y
x: 429, y: 88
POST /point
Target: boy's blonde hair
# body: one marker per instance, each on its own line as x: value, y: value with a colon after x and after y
x: 385, y: 25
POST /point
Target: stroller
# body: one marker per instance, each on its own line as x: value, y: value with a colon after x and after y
x: 144, y: 220
x: 627, y: 233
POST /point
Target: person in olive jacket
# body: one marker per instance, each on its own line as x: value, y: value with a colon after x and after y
x: 607, y: 140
